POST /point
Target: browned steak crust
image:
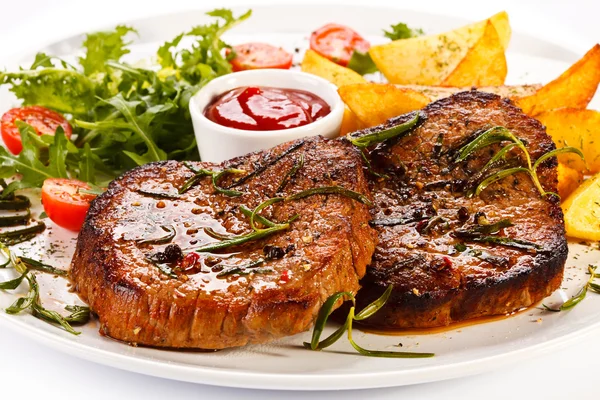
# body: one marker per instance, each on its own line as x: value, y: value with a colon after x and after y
x: 434, y: 283
x: 326, y: 250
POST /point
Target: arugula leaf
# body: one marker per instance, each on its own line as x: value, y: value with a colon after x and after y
x: 86, y: 165
x: 122, y: 115
x: 362, y: 63
x: 102, y: 47
x: 27, y: 163
x: 140, y: 125
x: 165, y: 57
x: 402, y: 31
x: 63, y: 90
x: 58, y: 155
x: 205, y: 60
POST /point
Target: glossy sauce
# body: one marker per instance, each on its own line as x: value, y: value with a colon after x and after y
x: 266, y: 108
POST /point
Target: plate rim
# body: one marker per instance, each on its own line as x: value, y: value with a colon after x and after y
x: 288, y: 381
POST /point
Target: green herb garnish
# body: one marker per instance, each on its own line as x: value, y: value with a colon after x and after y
x: 170, y: 234
x: 272, y: 227
x: 36, y: 265
x: 291, y: 173
x: 402, y: 31
x: 371, y: 309
x: 17, y: 236
x: 589, y: 286
x: 362, y: 63
x: 244, y: 269
x: 17, y: 203
x: 498, y: 134
x: 31, y: 301
x: 381, y: 133
x: 20, y: 218
x: 215, y: 177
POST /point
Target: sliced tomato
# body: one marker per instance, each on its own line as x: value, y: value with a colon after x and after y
x: 63, y: 202
x: 44, y: 122
x: 337, y: 43
x: 260, y: 56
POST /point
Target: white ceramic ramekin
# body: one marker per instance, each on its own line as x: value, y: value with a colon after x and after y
x: 217, y: 143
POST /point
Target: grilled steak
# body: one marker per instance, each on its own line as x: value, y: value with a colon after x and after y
x: 434, y: 240
x: 150, y: 289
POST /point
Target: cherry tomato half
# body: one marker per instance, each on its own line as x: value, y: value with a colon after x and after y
x: 337, y: 43
x: 44, y: 122
x: 260, y: 56
x: 63, y: 202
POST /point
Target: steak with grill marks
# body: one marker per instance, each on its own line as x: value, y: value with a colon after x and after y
x: 429, y: 248
x: 150, y: 293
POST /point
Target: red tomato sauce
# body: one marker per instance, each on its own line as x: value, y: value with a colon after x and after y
x: 266, y: 108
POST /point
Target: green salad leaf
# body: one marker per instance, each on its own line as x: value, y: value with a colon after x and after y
x: 362, y: 63
x: 122, y: 114
x: 402, y: 31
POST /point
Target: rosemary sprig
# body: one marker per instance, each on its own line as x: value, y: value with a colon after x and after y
x: 369, y: 310
x: 331, y: 190
x: 272, y: 227
x: 243, y: 269
x: 489, y: 229
x: 21, y: 218
x: 370, y: 168
x: 501, y: 241
x: 40, y: 266
x: 215, y: 178
x: 589, y: 286
x: 160, y: 195
x: 32, y: 302
x: 397, y: 221
x: 170, y: 234
x: 239, y: 240
x: 262, y: 167
x: 491, y: 136
x: 291, y: 173
x: 165, y: 269
x: 248, y: 213
x: 17, y: 236
x: 498, y: 134
x: 381, y: 134
x: 17, y: 203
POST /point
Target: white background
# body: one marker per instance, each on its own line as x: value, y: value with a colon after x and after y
x: 28, y: 370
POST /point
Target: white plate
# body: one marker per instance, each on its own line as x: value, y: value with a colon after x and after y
x: 285, y: 364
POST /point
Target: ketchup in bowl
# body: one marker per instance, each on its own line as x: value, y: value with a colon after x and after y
x: 263, y: 108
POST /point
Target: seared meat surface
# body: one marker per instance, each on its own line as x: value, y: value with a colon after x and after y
x: 429, y: 246
x: 166, y: 295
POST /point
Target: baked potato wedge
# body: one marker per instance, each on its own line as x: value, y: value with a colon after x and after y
x: 483, y: 65
x: 577, y: 128
x: 428, y: 60
x: 350, y: 122
x: 575, y: 88
x: 582, y: 210
x: 374, y: 103
x: 569, y: 179
x: 316, y: 64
